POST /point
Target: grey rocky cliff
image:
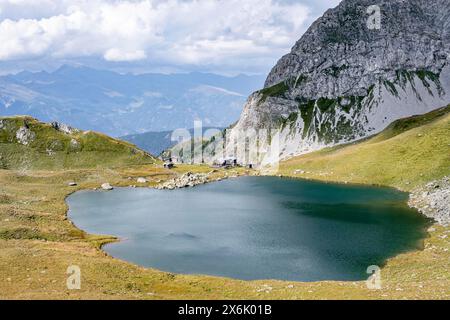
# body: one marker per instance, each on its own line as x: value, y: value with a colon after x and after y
x: 339, y: 55
x: 343, y: 81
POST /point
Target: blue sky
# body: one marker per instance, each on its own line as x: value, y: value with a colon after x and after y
x: 222, y: 36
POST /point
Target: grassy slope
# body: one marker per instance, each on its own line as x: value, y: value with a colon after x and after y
x: 54, y: 149
x: 409, y: 153
x: 38, y: 243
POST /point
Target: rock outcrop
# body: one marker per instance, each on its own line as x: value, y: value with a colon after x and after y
x: 25, y: 136
x: 64, y: 128
x: 433, y: 200
x: 345, y: 80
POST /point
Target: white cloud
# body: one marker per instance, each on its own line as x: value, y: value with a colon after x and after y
x: 172, y: 32
x: 115, y: 54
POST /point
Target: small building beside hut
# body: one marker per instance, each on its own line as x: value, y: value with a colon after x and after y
x: 168, y: 163
x: 226, y: 162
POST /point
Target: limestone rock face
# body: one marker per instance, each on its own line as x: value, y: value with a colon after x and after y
x: 64, y: 128
x: 339, y: 55
x: 344, y: 81
x: 25, y: 136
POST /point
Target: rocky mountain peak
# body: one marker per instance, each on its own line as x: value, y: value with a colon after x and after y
x: 340, y: 54
x: 357, y: 69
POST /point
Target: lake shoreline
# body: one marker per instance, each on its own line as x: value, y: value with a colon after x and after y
x: 433, y: 200
x: 370, y: 189
x: 407, y: 275
x: 421, y: 202
x: 419, y: 198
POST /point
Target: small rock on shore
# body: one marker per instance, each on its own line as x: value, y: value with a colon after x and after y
x: 141, y: 180
x: 107, y: 186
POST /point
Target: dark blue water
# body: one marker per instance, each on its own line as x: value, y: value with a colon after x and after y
x: 255, y: 228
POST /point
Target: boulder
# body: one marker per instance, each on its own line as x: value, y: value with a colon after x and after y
x: 141, y: 180
x: 107, y: 186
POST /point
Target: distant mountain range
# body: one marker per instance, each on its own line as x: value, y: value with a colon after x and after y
x: 158, y: 141
x: 124, y: 104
